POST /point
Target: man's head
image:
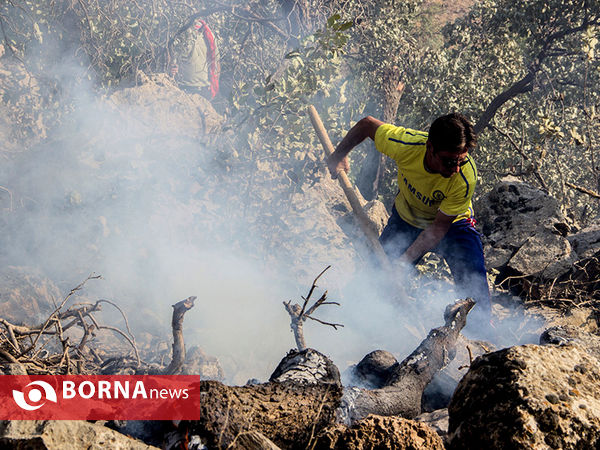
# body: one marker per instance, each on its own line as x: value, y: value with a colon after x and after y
x: 451, y: 137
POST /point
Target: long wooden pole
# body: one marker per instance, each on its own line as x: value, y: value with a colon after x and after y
x: 363, y: 220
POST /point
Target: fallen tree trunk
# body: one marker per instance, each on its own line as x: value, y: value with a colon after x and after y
x: 404, y: 387
x: 292, y: 414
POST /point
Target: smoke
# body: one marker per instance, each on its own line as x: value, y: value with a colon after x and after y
x: 126, y: 188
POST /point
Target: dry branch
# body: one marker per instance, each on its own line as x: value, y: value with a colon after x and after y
x: 583, y: 190
x: 24, y: 344
x: 179, y: 310
x: 299, y: 314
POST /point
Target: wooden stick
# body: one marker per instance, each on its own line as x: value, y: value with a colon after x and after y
x: 363, y: 220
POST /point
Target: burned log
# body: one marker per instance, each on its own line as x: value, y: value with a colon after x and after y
x: 402, y: 392
x: 306, y: 367
x: 292, y: 414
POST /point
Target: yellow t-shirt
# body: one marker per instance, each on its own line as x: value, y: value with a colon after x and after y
x: 421, y: 193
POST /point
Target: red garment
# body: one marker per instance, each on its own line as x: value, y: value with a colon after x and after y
x: 213, y: 63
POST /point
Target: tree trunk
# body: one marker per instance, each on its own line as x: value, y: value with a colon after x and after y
x: 369, y: 177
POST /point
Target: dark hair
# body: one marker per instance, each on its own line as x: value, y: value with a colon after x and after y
x: 453, y: 133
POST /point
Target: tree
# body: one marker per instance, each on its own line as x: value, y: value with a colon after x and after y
x: 527, y: 74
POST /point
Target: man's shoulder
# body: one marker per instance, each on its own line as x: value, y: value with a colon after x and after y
x: 395, y: 133
x: 390, y: 139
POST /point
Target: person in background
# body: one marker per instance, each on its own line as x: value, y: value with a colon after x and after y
x: 195, y: 64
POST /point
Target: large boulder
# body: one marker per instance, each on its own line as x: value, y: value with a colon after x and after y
x: 160, y: 107
x: 586, y: 243
x: 525, y: 231
x: 528, y: 397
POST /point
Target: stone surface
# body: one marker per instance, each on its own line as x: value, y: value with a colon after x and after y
x: 586, y: 243
x: 568, y: 334
x: 288, y: 414
x: 253, y: 440
x: 545, y: 254
x: 524, y: 231
x: 199, y: 363
x: 64, y: 435
x: 377, y: 432
x: 528, y: 397
x: 160, y: 106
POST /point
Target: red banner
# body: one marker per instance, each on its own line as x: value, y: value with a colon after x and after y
x: 100, y: 397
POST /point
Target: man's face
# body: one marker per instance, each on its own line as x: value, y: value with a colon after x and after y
x: 444, y: 162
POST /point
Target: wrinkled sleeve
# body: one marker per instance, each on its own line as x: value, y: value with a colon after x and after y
x: 393, y: 141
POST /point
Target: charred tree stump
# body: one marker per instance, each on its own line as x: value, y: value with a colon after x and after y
x: 179, y: 310
x: 291, y: 414
x: 404, y: 387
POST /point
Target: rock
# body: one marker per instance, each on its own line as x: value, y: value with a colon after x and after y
x: 525, y: 231
x: 13, y: 369
x: 253, y: 440
x: 513, y: 211
x: 315, y: 222
x: 529, y: 396
x: 160, y: 107
x: 288, y: 414
x: 566, y: 334
x: 64, y: 435
x: 198, y: 363
x: 545, y: 254
x: 374, y: 369
x: 586, y: 243
x: 377, y: 432
x: 26, y: 296
x: 437, y: 420
x: 306, y: 367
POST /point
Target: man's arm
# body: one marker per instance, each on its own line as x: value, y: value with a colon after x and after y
x: 363, y: 129
x: 429, y: 238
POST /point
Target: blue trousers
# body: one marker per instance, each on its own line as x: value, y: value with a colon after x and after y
x: 461, y: 248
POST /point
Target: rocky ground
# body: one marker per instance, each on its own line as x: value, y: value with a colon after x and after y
x: 539, y: 395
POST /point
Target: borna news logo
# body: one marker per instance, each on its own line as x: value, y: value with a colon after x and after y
x: 100, y: 397
x: 34, y: 399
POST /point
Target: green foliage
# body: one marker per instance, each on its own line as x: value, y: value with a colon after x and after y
x: 542, y: 133
x: 339, y: 54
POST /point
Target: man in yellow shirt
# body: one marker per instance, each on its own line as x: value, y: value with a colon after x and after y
x: 432, y: 211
